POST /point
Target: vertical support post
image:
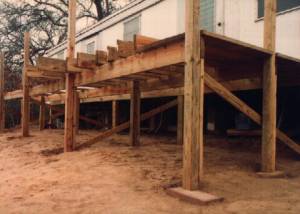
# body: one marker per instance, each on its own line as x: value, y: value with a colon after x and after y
x: 193, y: 99
x: 42, y: 112
x: 269, y: 90
x: 180, y: 101
x: 69, y: 138
x: 135, y: 106
x: 25, y: 85
x: 76, y: 112
x: 50, y: 117
x: 115, y: 115
x: 2, y: 101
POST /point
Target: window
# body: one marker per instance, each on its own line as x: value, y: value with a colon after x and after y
x: 131, y: 28
x: 282, y: 5
x: 207, y: 14
x: 90, y: 48
x: 60, y: 55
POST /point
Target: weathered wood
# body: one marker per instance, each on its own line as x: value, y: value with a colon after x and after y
x: 51, y: 64
x: 244, y: 108
x: 126, y: 125
x: 115, y: 113
x: 180, y: 106
x: 112, y: 54
x: 42, y: 114
x: 101, y: 57
x: 269, y: 90
x: 140, y: 41
x: 69, y: 137
x: 135, y: 111
x: 2, y: 101
x: 85, y: 60
x: 194, y: 197
x: 76, y: 112
x: 25, y: 85
x: 125, y: 48
x: 193, y: 100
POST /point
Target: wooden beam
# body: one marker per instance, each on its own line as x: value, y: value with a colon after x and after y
x: 135, y: 111
x: 25, y: 85
x: 125, y: 48
x: 51, y: 64
x: 101, y: 57
x: 2, y: 101
x: 126, y: 125
x: 248, y: 111
x: 69, y: 137
x: 140, y: 41
x: 112, y: 54
x: 115, y: 113
x: 85, y: 60
x: 269, y: 90
x: 180, y: 106
x: 193, y: 100
x: 42, y: 114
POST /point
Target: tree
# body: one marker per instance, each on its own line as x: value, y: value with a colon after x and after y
x: 47, y: 22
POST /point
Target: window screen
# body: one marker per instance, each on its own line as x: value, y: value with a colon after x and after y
x: 60, y: 55
x: 282, y: 5
x: 130, y: 28
x: 90, y: 48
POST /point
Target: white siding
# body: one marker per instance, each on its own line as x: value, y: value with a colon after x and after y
x: 241, y: 23
x: 238, y: 19
x: 160, y: 21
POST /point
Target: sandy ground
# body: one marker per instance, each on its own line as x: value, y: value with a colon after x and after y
x: 111, y: 177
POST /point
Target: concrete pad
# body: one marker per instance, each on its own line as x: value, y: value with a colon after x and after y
x: 276, y: 174
x: 194, y: 197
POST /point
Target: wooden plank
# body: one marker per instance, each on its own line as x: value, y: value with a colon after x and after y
x: 194, y: 197
x: 2, y: 101
x: 180, y: 106
x: 193, y: 100
x: 112, y: 54
x: 244, y: 108
x: 135, y: 111
x: 69, y: 136
x: 25, y: 86
x: 126, y: 125
x: 141, y: 41
x: 269, y: 90
x: 51, y: 64
x: 42, y: 114
x: 248, y: 133
x: 85, y: 60
x: 101, y: 57
x: 125, y: 48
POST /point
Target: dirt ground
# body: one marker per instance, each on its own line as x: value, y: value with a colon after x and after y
x: 111, y: 177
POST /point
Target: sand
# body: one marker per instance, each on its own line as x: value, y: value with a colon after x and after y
x: 112, y: 177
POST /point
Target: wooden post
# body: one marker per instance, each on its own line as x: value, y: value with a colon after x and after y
x: 115, y: 111
x: 193, y: 99
x: 135, y: 102
x: 42, y: 112
x: 25, y: 85
x: 269, y: 90
x: 69, y: 138
x: 76, y: 112
x: 180, y: 101
x: 2, y: 101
